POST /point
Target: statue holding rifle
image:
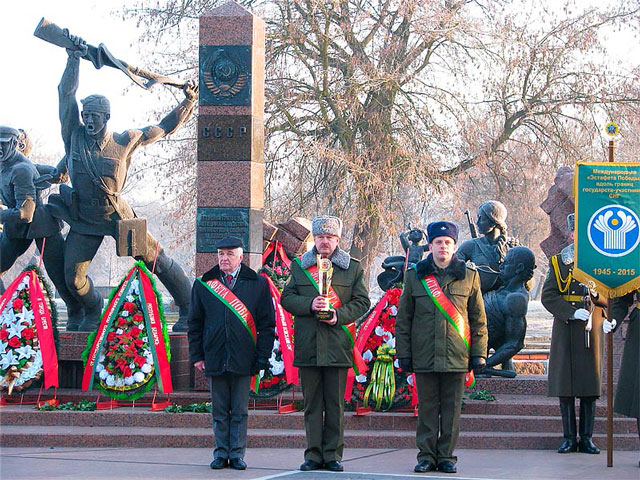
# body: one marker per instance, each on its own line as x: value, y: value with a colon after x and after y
x: 488, y: 251
x: 97, y: 162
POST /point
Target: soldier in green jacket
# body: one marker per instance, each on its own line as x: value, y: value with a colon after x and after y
x: 439, y: 352
x: 574, y: 365
x: 323, y: 348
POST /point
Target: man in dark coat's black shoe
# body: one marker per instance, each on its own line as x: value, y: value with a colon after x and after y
x: 218, y: 463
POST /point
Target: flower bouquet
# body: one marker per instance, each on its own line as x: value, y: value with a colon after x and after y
x: 384, y: 386
x: 28, y: 333
x: 129, y: 351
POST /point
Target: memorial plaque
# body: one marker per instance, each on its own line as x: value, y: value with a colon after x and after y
x: 225, y: 75
x: 213, y: 224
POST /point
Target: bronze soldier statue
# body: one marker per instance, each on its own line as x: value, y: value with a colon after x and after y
x: 488, y: 251
x: 506, y: 310
x: 24, y: 217
x: 97, y: 162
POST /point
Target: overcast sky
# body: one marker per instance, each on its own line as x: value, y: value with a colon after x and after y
x: 31, y: 68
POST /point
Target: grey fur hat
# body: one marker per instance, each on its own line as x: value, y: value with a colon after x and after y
x: 326, y: 225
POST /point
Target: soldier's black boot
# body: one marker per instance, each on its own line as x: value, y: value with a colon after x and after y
x: 568, y: 411
x: 93, y: 304
x: 175, y: 280
x: 587, y: 418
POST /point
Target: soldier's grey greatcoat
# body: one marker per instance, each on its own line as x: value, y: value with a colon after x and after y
x: 574, y: 371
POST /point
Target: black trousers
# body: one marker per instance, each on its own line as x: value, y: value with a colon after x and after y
x: 229, y: 409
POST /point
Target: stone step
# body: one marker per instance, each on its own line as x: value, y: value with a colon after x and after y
x: 128, y: 417
x: 136, y: 437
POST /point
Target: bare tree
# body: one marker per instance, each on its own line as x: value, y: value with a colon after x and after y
x: 373, y: 106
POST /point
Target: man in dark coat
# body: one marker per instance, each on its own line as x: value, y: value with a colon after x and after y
x: 323, y: 348
x: 231, y: 334
x: 438, y: 349
x: 97, y: 162
x: 25, y: 219
x: 574, y: 367
x: 627, y: 399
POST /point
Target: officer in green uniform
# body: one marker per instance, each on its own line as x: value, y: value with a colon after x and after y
x: 574, y: 364
x: 323, y: 349
x: 627, y: 399
x: 432, y: 347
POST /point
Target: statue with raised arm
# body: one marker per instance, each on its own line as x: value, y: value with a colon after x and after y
x: 97, y: 162
x: 23, y: 216
x: 506, y: 310
x: 488, y: 251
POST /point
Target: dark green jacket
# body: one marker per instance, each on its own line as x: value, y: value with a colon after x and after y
x: 424, y: 335
x: 316, y: 343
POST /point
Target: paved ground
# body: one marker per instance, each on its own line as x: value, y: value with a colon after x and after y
x: 193, y: 463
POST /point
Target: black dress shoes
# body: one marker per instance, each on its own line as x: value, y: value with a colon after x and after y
x: 218, y: 463
x: 424, y: 466
x: 447, y: 467
x: 585, y: 445
x: 237, y: 464
x: 334, y: 466
x: 310, y: 465
x: 569, y: 445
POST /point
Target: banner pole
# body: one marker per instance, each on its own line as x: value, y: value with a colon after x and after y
x: 610, y: 363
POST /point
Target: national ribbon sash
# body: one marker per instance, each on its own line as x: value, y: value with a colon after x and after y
x: 239, y: 309
x: 312, y: 274
x: 452, y: 315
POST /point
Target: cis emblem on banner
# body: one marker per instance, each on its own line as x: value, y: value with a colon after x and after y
x: 607, y: 240
x: 614, y: 230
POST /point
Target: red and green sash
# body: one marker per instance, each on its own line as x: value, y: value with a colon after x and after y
x: 239, y: 309
x: 453, y: 317
x: 312, y: 274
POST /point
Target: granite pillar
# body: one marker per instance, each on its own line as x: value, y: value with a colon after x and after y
x: 230, y: 174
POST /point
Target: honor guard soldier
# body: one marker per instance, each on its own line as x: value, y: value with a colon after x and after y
x: 441, y: 334
x: 575, y: 359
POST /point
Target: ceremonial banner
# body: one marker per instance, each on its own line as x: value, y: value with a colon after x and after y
x: 607, y: 230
